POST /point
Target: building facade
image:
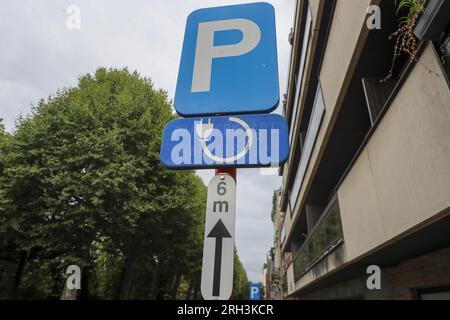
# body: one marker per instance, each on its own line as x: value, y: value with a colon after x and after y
x: 272, y: 268
x: 364, y: 208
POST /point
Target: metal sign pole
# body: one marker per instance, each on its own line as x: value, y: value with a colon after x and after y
x: 231, y: 171
x: 218, y: 100
x: 218, y: 248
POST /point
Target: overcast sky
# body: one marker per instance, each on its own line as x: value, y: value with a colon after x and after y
x: 39, y: 54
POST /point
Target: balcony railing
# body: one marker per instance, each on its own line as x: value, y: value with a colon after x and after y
x: 326, y: 234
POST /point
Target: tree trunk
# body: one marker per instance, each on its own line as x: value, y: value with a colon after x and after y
x: 85, y: 277
x: 154, y: 291
x: 68, y: 294
x: 196, y: 288
x: 190, y: 289
x: 121, y: 279
x: 127, y: 280
x: 19, y: 272
x: 176, y: 285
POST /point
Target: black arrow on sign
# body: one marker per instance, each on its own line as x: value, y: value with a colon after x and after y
x: 219, y: 232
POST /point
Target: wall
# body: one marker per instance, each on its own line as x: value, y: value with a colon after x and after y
x: 290, y: 278
x: 397, y: 283
x: 343, y: 38
x: 429, y: 270
x: 330, y: 262
x: 402, y: 177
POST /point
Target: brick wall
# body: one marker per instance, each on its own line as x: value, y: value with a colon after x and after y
x: 429, y: 270
x: 398, y: 282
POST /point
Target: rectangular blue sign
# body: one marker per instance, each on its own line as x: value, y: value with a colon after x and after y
x: 255, y: 292
x: 229, y: 62
x: 230, y: 141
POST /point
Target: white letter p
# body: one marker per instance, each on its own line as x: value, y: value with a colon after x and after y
x: 254, y: 291
x: 206, y: 51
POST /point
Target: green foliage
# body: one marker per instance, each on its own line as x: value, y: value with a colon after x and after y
x: 412, y: 7
x: 81, y: 183
x: 405, y: 40
x: 325, y: 235
x: 240, y: 280
x: 262, y: 290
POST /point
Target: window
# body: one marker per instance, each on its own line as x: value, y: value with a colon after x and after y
x: 434, y: 25
x: 299, y: 75
x: 284, y: 285
x: 442, y: 49
x: 310, y: 140
x: 433, y: 20
x: 440, y: 293
x: 376, y: 95
x: 325, y: 235
x: 283, y: 234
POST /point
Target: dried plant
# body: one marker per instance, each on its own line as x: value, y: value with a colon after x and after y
x: 406, y: 42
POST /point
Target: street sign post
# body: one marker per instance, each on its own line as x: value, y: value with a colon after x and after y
x: 228, y: 70
x: 218, y: 142
x: 218, y: 248
x: 255, y: 292
x: 229, y: 62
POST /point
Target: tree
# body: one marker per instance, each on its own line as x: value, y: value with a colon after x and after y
x: 10, y: 254
x: 262, y: 290
x: 82, y: 184
x: 240, y: 281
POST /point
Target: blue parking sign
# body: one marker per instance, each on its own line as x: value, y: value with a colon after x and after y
x: 229, y: 62
x: 255, y: 292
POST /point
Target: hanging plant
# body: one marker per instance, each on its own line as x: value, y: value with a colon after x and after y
x: 406, y: 42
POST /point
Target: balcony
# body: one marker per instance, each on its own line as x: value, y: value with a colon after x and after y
x: 325, y: 236
x: 284, y: 285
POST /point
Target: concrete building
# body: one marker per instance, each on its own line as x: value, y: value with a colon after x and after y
x: 266, y: 281
x: 368, y: 178
x: 273, y: 272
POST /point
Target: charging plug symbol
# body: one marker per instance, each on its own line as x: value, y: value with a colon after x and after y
x: 204, y: 130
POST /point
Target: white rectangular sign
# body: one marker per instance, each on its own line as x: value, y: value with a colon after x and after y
x: 218, y: 248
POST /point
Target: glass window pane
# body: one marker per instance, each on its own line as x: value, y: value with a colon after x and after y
x: 313, y: 130
x: 325, y: 235
x: 299, y: 77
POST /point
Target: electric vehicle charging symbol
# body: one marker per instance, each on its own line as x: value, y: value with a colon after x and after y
x: 205, y: 130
